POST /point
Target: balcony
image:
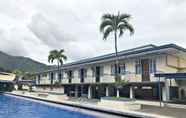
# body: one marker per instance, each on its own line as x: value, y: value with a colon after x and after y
x: 90, y: 79
x: 107, y: 79
x: 65, y: 81
x: 75, y: 81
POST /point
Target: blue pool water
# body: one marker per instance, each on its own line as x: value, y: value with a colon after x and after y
x: 12, y: 107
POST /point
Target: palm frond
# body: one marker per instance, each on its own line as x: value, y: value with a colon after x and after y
x: 107, y: 31
x: 105, y: 24
x: 125, y: 26
x: 64, y: 57
x: 124, y: 17
x: 107, y: 16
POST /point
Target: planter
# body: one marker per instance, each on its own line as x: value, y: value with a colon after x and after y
x: 119, y: 103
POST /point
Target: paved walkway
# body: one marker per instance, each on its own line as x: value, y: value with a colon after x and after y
x: 171, y: 112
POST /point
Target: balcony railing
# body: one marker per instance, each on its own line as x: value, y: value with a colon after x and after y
x: 105, y: 78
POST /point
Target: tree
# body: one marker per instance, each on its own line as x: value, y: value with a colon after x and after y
x: 59, y: 57
x: 117, y: 25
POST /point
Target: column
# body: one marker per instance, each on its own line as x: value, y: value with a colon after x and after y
x: 166, y: 91
x: 107, y: 91
x: 131, y: 93
x: 117, y: 93
x: 89, y: 92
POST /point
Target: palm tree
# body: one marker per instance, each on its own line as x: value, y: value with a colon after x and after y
x: 59, y: 57
x: 117, y: 25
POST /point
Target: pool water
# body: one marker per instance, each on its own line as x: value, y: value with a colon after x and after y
x: 13, y: 107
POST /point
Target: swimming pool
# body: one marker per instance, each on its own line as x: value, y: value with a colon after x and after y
x: 15, y: 107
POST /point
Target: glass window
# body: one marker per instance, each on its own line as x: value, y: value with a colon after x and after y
x: 113, y: 69
x: 152, y: 63
x: 93, y: 71
x: 138, y: 67
x: 85, y: 72
x: 70, y: 74
x: 122, y: 69
x: 101, y: 70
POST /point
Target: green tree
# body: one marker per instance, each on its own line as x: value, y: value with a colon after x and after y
x: 59, y: 57
x: 117, y: 25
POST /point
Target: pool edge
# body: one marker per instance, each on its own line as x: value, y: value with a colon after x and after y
x: 97, y: 109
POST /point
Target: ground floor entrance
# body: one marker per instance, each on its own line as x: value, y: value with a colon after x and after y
x: 135, y: 91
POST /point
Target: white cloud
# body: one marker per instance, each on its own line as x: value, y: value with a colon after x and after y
x: 33, y: 28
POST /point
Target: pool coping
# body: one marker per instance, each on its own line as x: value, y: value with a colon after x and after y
x: 126, y: 113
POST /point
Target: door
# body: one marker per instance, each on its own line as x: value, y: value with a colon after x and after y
x: 70, y: 76
x: 145, y: 70
x: 97, y: 74
x: 82, y: 75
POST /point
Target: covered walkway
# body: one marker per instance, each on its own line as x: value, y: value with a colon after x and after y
x: 175, y: 86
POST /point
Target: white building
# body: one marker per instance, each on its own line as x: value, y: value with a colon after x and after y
x: 94, y: 77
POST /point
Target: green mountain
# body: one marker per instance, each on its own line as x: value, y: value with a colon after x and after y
x: 10, y: 63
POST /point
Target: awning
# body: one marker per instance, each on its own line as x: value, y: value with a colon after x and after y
x: 177, y: 76
x: 7, y: 77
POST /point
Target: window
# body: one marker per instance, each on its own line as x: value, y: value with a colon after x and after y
x: 113, y: 69
x: 122, y: 69
x: 152, y: 65
x: 51, y: 76
x: 44, y: 75
x: 93, y: 71
x: 138, y: 67
x: 70, y: 74
x: 101, y: 70
x: 84, y: 73
x: 60, y: 75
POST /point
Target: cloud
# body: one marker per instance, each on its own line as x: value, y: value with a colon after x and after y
x: 33, y: 28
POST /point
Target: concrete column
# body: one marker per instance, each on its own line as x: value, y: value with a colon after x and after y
x: 89, y: 92
x: 76, y: 91
x: 131, y: 92
x: 107, y: 91
x: 117, y: 93
x: 166, y: 91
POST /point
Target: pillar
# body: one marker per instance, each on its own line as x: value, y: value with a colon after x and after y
x: 166, y: 91
x: 107, y: 91
x: 117, y: 93
x: 131, y: 92
x: 89, y: 92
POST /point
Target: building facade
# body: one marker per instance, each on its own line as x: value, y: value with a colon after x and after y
x: 94, y: 77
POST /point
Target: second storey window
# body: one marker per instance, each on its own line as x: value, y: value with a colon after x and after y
x: 138, y: 67
x: 152, y: 65
x: 70, y: 74
x: 122, y: 69
x: 93, y: 71
x: 113, y: 69
x: 82, y: 72
x: 101, y: 70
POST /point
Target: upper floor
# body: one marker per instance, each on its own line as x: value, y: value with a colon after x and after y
x: 135, y: 65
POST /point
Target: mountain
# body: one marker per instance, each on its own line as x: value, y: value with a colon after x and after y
x: 10, y: 63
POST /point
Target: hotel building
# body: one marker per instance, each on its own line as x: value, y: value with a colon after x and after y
x: 94, y: 77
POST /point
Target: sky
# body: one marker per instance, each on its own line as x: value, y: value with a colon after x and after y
x: 32, y: 28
